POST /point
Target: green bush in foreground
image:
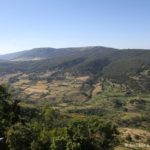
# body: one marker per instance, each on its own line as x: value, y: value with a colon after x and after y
x: 51, y: 130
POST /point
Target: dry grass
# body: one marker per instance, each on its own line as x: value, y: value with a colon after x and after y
x: 22, y: 82
x: 97, y: 89
x: 129, y: 115
x: 54, y: 89
x: 137, y: 135
x: 5, y: 78
x: 82, y: 78
x: 40, y: 87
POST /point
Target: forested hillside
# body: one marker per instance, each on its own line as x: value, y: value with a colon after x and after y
x: 94, y: 98
x: 122, y: 66
x: 48, y: 129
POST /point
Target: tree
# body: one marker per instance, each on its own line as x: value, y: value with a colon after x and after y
x: 49, y: 130
x: 9, y: 110
x: 9, y: 113
x: 19, y: 137
x: 92, y: 134
x: 51, y: 117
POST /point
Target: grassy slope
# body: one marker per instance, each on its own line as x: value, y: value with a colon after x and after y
x: 117, y: 87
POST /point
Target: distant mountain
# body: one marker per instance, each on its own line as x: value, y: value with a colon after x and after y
x: 28, y: 54
x: 118, y: 65
x: 49, y: 58
x: 43, y: 53
x: 48, y: 53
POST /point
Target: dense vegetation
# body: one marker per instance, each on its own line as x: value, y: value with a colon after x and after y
x: 48, y: 129
x: 73, y: 98
x: 120, y: 66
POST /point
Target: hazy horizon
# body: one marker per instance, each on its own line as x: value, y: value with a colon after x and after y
x: 70, y: 47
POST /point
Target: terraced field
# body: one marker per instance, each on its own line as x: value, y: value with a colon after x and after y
x: 44, y: 90
x: 80, y: 98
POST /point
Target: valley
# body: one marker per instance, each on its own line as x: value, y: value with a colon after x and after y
x: 82, y: 83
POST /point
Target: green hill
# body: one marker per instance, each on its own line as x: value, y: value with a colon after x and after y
x: 82, y: 83
x: 130, y: 66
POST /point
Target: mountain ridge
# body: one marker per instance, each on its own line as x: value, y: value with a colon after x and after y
x: 46, y: 52
x: 118, y: 65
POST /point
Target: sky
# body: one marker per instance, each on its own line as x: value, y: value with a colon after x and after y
x: 27, y: 24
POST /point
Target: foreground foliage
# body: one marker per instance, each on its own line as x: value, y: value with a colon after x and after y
x: 50, y: 130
